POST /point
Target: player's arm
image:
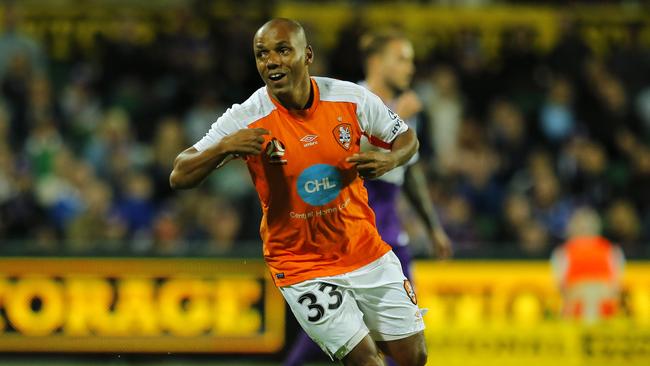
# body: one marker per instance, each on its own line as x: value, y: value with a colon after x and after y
x: 386, y: 130
x: 192, y: 166
x: 374, y: 164
x: 416, y: 191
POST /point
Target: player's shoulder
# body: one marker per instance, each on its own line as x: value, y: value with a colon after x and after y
x: 256, y: 107
x: 335, y: 90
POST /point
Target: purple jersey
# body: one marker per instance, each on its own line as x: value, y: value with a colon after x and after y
x: 382, y: 197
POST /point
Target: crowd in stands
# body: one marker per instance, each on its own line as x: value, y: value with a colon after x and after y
x: 512, y: 144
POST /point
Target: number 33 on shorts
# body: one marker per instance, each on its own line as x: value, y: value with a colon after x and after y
x: 316, y: 310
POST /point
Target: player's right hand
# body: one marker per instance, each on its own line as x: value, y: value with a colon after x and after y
x: 247, y: 141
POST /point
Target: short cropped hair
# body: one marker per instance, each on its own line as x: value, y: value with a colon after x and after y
x: 373, y: 43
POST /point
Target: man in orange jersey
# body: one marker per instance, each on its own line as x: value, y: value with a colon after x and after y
x: 300, y: 138
x: 588, y: 269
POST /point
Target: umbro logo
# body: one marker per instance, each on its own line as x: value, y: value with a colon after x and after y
x: 309, y: 140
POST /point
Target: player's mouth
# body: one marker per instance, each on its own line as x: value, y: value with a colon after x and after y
x: 276, y: 76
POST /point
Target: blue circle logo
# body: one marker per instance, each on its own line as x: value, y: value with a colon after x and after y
x: 319, y: 184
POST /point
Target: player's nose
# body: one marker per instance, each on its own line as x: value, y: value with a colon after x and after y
x: 273, y: 61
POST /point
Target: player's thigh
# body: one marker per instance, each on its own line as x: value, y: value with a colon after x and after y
x: 364, y: 353
x: 388, y: 302
x: 409, y: 351
x: 329, y: 315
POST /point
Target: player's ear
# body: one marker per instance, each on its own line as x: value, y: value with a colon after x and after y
x: 309, y: 55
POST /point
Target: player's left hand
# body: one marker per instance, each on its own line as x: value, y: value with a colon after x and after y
x: 441, y: 244
x: 372, y: 164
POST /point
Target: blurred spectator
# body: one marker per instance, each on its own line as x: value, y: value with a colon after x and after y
x: 168, y: 142
x: 516, y: 214
x: 43, y: 143
x: 643, y: 110
x: 21, y: 214
x: 588, y: 270
x: 14, y: 44
x: 59, y: 193
x: 94, y: 230
x: 457, y: 218
x: 557, y: 120
x: 201, y: 115
x: 81, y: 110
x: 638, y: 188
x: 136, y: 207
x: 167, y: 235
x: 217, y: 226
x: 113, y: 150
x: 623, y: 224
x: 588, y: 178
x: 441, y: 97
x: 533, y: 238
x: 550, y: 207
x: 509, y: 136
x: 477, y: 182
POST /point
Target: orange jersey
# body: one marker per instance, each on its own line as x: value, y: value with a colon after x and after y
x: 590, y: 259
x: 316, y: 219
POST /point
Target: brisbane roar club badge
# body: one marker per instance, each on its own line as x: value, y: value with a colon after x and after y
x: 343, y: 135
x: 275, y: 152
x: 409, y: 291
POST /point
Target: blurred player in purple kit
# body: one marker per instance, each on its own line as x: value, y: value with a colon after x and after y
x: 389, y: 69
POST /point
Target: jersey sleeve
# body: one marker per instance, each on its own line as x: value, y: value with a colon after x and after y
x: 228, y: 123
x: 378, y: 122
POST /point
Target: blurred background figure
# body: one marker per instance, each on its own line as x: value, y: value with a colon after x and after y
x: 588, y: 269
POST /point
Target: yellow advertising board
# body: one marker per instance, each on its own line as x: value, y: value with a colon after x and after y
x: 139, y: 305
x: 479, y: 313
x: 507, y: 313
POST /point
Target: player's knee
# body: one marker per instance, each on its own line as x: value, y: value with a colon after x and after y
x: 373, y: 360
x: 365, y: 360
x: 420, y: 358
x: 417, y: 357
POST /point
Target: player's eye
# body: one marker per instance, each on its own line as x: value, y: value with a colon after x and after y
x: 285, y: 51
x: 262, y: 54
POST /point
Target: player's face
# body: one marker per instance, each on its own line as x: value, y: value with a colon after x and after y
x: 397, y: 64
x: 282, y: 58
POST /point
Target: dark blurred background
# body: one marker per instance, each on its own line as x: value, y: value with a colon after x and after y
x: 531, y: 112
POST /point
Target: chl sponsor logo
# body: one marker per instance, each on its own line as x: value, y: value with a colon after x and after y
x: 309, y: 140
x: 275, y: 151
x: 319, y: 184
x: 343, y: 135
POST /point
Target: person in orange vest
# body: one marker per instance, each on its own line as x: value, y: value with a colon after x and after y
x: 588, y: 269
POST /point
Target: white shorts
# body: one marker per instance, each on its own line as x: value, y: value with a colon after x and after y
x: 337, y: 312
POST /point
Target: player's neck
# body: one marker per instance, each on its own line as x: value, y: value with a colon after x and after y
x: 383, y: 91
x: 300, y: 97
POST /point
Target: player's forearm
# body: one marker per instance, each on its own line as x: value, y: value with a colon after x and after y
x: 416, y: 190
x: 191, y: 167
x: 404, y: 147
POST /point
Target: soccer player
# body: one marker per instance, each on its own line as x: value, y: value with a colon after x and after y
x: 588, y: 270
x: 389, y: 69
x: 300, y: 137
